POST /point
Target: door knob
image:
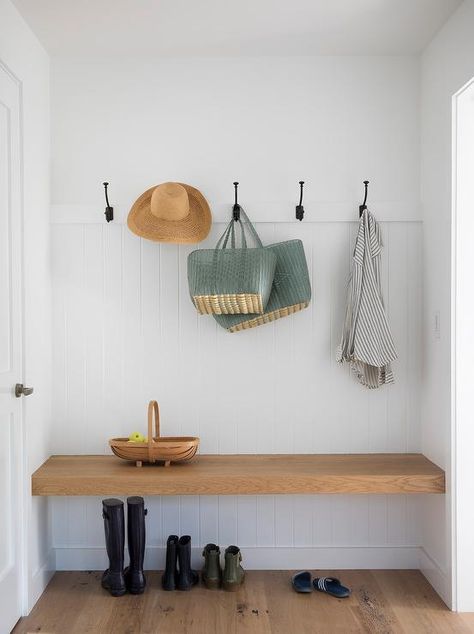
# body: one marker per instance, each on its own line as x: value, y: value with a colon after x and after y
x: 21, y: 390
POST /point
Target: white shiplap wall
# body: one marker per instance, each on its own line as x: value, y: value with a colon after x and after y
x: 125, y: 332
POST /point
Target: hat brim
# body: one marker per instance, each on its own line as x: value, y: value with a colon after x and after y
x: 194, y: 228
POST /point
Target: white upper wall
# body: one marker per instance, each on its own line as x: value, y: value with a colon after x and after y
x: 248, y: 28
x: 266, y: 122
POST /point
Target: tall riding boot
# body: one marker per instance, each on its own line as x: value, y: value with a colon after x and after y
x: 134, y: 577
x: 187, y: 577
x: 170, y: 576
x: 114, y: 525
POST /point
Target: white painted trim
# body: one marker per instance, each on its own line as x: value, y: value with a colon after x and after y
x: 456, y: 438
x: 40, y: 579
x: 259, y: 211
x: 437, y: 577
x: 265, y: 558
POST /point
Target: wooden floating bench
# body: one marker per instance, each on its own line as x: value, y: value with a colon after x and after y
x: 241, y: 475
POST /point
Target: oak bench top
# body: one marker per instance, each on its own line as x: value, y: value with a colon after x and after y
x: 243, y: 474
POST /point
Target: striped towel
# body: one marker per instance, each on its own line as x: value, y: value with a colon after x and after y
x: 367, y: 342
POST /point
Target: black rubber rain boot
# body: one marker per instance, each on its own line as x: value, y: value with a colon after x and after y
x: 134, y: 577
x: 187, y: 577
x: 170, y: 576
x: 114, y: 525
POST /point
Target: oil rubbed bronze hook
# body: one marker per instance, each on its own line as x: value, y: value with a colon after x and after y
x: 236, y: 208
x: 363, y: 207
x: 109, y: 211
x: 299, y: 207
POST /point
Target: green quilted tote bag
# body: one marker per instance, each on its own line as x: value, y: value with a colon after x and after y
x: 228, y: 280
x: 291, y: 290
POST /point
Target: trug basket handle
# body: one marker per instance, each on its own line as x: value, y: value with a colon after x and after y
x: 153, y: 410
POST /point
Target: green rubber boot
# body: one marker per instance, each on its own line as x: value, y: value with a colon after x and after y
x: 233, y: 572
x: 212, y: 571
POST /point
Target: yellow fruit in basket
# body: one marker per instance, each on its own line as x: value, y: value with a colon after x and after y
x: 145, y: 438
x: 135, y: 436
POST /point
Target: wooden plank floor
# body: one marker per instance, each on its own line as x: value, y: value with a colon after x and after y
x: 241, y: 475
x: 382, y: 601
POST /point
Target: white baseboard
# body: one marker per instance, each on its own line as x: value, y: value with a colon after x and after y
x: 437, y: 577
x: 40, y: 579
x: 328, y: 558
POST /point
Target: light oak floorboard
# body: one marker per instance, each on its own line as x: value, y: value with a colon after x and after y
x: 382, y: 602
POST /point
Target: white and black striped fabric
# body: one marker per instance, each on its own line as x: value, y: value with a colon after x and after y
x: 367, y: 342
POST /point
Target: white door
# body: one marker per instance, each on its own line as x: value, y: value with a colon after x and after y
x: 10, y: 351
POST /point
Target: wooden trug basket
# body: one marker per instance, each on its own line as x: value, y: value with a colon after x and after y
x: 158, y: 449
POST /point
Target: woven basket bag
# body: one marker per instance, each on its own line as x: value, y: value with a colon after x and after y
x: 229, y: 281
x: 291, y: 290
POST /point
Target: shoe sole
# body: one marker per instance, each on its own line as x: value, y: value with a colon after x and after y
x: 212, y: 584
x: 116, y: 593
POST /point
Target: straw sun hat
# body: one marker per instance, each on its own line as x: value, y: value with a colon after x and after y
x: 171, y: 212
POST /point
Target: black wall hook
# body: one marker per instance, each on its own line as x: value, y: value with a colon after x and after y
x: 236, y: 208
x: 109, y: 211
x: 363, y: 207
x: 299, y: 207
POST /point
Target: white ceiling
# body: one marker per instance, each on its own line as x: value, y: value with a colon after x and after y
x: 234, y: 28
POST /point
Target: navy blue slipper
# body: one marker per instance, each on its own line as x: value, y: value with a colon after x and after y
x: 301, y: 582
x: 331, y: 586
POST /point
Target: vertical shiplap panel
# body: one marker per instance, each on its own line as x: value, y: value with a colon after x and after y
x: 126, y: 331
x: 76, y: 522
x: 93, y: 324
x: 189, y: 515
x: 339, y: 430
x: 228, y: 513
x: 378, y: 514
x: 301, y: 423
x: 396, y: 519
x: 151, y: 354
x: 323, y: 520
x: 133, y: 370
x: 265, y: 520
x: 170, y: 520
x: 247, y: 520
x: 209, y: 519
x: 303, y: 520
x: 284, y: 529
x: 73, y: 427
x: 317, y: 381
x: 414, y: 316
x: 173, y: 388
x: 59, y: 248
x: 59, y: 521
x: 94, y: 522
x: 397, y: 311
x: 113, y: 424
